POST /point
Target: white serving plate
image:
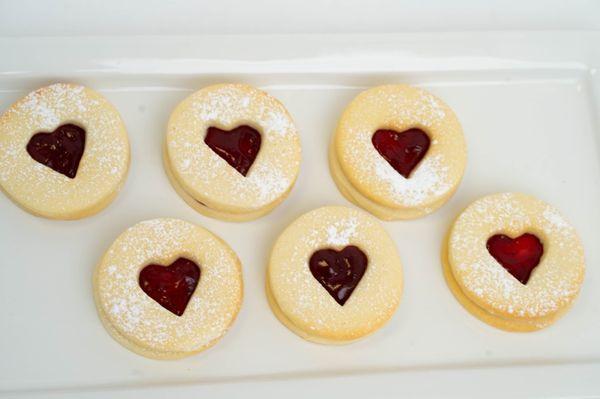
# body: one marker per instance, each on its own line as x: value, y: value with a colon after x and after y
x: 528, y: 103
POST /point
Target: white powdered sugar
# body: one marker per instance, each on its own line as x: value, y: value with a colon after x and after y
x: 276, y: 122
x: 341, y: 232
x: 427, y: 180
x: 555, y: 219
x: 57, y: 99
x: 267, y: 182
x: 230, y: 104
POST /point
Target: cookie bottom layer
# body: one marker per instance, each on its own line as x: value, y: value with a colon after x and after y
x: 214, y: 213
x: 513, y: 325
x: 295, y: 329
x: 381, y: 211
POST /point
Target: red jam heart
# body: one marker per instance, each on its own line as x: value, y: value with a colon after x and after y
x: 60, y: 150
x: 238, y: 147
x: 402, y: 150
x: 171, y: 286
x: 519, y: 256
x: 339, y: 272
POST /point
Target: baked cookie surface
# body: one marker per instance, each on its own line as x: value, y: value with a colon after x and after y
x: 398, y: 152
x: 64, y: 152
x: 232, y: 151
x: 167, y: 289
x: 334, y: 276
x: 513, y: 261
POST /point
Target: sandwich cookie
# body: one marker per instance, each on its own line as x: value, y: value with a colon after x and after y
x: 514, y: 262
x: 64, y: 152
x: 334, y: 276
x: 232, y: 152
x: 167, y: 289
x: 398, y: 152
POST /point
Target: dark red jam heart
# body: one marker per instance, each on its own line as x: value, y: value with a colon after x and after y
x: 339, y: 272
x: 518, y: 256
x: 238, y: 147
x: 171, y: 286
x: 60, y: 150
x: 402, y: 150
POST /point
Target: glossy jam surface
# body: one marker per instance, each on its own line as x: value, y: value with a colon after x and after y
x: 402, y: 150
x: 171, y: 286
x: 238, y: 147
x: 60, y: 150
x: 519, y: 256
x: 339, y: 272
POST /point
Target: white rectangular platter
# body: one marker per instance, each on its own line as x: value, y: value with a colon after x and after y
x: 528, y: 103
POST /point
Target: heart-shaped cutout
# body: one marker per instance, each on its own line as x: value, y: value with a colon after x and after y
x: 339, y: 272
x: 238, y: 146
x: 519, y: 256
x: 60, y: 150
x: 171, y: 286
x: 403, y: 150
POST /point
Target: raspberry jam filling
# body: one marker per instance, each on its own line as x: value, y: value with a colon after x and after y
x: 171, y: 286
x: 238, y: 146
x: 60, y: 150
x: 339, y: 272
x: 519, y: 256
x: 403, y: 150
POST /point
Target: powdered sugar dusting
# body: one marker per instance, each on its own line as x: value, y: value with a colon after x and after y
x: 554, y: 283
x: 429, y: 179
x: 555, y: 219
x: 341, y: 232
x: 136, y: 316
x: 44, y: 109
x: 224, y: 105
x: 267, y: 182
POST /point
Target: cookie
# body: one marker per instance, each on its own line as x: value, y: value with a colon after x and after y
x: 64, y: 152
x: 398, y: 152
x: 167, y: 289
x: 334, y: 276
x: 513, y: 261
x: 232, y: 152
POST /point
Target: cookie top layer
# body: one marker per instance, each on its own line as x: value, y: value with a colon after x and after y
x: 553, y: 284
x: 103, y: 165
x: 206, y: 176
x: 305, y: 301
x: 140, y: 321
x: 400, y: 108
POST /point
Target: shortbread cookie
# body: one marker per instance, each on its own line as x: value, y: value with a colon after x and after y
x: 64, y: 152
x: 398, y: 152
x: 167, y: 289
x: 514, y: 262
x: 232, y: 152
x: 334, y: 276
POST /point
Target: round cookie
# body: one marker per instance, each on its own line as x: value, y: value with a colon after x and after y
x: 514, y: 262
x: 334, y: 276
x: 232, y: 152
x: 167, y: 289
x: 398, y: 152
x: 64, y: 152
